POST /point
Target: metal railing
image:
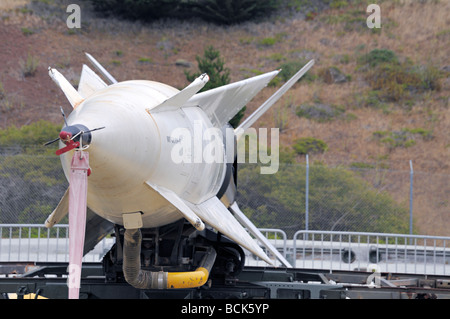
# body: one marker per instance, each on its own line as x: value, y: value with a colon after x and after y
x: 371, y: 252
x: 35, y: 242
x: 328, y: 250
x: 278, y: 238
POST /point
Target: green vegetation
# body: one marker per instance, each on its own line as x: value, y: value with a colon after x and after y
x: 309, y: 145
x: 27, y: 31
x: 378, y: 56
x: 319, y: 112
x: 339, y: 200
x: 231, y: 11
x: 5, y: 102
x: 145, y: 60
x: 217, y: 11
x: 403, y: 138
x: 394, y: 81
x: 118, y: 53
x: 30, y: 187
x: 32, y: 183
x: 29, y: 66
x: 212, y: 64
x: 289, y: 68
x: 270, y: 41
x: 29, y: 136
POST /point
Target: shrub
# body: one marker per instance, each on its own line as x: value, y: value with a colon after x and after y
x: 217, y: 11
x: 318, y: 112
x: 212, y: 64
x: 29, y: 67
x: 231, y: 11
x: 34, y: 134
x: 379, y: 56
x: 145, y: 60
x: 268, y: 42
x: 309, y: 145
x: 404, y: 138
x: 146, y: 10
x: 288, y: 70
x: 27, y: 31
x: 430, y: 76
x: 393, y: 81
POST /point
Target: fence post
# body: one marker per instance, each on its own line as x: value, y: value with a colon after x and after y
x: 307, y: 196
x: 411, y: 175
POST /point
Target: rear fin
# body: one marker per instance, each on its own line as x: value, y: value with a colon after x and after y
x: 214, y: 213
x: 89, y: 82
x: 101, y: 69
x: 72, y: 95
x: 240, y: 216
x: 59, y: 212
x: 97, y: 228
x: 221, y: 104
x: 179, y: 203
x: 249, y: 121
x: 179, y: 99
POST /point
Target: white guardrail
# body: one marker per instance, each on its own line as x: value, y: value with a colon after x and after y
x: 354, y: 251
x: 35, y: 242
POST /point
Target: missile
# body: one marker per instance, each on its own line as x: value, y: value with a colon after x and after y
x: 128, y: 137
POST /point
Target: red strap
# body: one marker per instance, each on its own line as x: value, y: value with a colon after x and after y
x: 67, y: 148
x: 77, y: 219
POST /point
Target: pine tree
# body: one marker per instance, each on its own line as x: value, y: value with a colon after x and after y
x: 212, y: 64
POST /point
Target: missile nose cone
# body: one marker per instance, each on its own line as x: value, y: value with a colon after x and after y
x: 75, y: 136
x: 76, y: 133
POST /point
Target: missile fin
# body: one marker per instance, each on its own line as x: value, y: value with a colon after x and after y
x: 178, y: 100
x: 240, y: 216
x: 221, y: 104
x: 90, y: 82
x: 214, y: 213
x: 180, y: 204
x: 101, y: 69
x: 249, y: 121
x: 59, y: 212
x: 71, y: 94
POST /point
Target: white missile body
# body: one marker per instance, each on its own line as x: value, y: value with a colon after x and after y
x: 135, y: 180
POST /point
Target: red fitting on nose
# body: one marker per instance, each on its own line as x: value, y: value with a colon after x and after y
x: 65, y: 135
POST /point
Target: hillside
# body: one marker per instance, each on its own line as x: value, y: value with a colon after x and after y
x: 417, y: 32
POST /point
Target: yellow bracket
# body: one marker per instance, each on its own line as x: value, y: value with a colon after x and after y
x: 192, y: 279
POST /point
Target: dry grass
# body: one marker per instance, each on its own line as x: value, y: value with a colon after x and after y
x: 11, y: 4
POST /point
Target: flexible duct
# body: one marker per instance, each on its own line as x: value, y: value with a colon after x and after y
x: 144, y: 279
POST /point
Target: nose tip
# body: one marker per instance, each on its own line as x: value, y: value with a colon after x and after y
x: 65, y: 136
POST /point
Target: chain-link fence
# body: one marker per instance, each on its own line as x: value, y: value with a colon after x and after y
x: 30, y: 186
x: 343, y: 198
x: 297, y: 197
